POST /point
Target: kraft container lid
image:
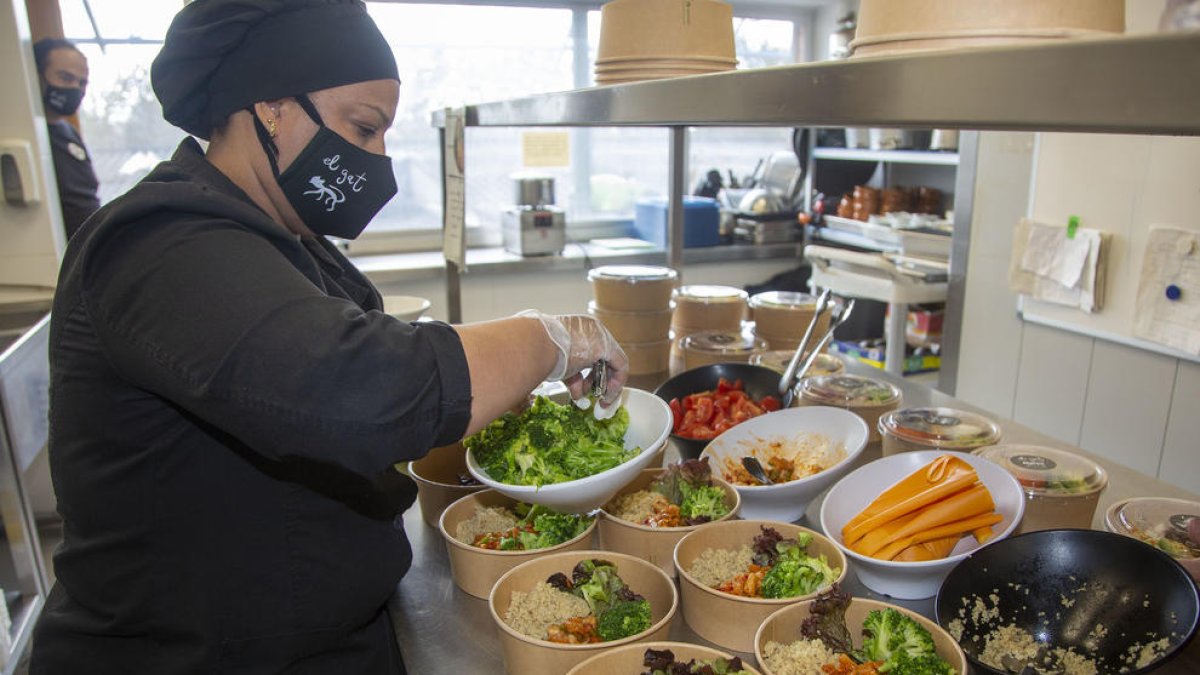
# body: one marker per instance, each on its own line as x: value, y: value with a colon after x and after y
x: 848, y: 391
x: 945, y: 428
x: 632, y: 273
x: 1050, y: 472
x: 1172, y: 525
x: 783, y: 300
x: 710, y: 294
x: 722, y: 343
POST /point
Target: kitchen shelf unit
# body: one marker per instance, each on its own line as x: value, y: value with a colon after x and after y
x: 1126, y: 85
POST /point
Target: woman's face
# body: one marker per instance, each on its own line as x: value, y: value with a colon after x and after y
x: 359, y: 113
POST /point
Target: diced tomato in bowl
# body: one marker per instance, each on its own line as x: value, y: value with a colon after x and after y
x: 708, y: 400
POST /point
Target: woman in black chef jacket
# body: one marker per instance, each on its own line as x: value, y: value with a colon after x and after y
x: 227, y: 400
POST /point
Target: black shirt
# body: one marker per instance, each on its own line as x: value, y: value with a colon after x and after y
x: 77, y: 184
x: 226, y: 405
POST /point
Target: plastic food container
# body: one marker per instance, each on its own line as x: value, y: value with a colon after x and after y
x: 777, y: 360
x: 705, y: 347
x: 936, y: 429
x: 1061, y: 488
x: 647, y: 358
x: 633, y: 288
x: 781, y: 317
x: 699, y: 308
x: 1171, y: 525
x: 863, y: 396
x: 648, y: 326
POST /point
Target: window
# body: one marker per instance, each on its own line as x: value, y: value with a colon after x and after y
x: 448, y: 55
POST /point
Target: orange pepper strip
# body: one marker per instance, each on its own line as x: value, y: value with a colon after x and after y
x: 928, y: 550
x: 973, y: 501
x: 983, y: 534
x: 939, y: 479
x: 959, y: 527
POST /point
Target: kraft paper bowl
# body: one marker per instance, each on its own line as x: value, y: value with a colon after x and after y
x: 784, y: 627
x: 730, y: 621
x: 525, y: 655
x: 437, y: 477
x: 653, y: 544
x: 630, y: 658
x: 475, y: 570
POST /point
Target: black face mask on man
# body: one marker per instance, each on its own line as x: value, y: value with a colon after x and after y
x: 62, y: 100
x: 335, y: 186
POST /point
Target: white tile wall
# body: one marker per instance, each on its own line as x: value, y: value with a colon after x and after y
x: 1052, y: 381
x: 1129, y: 394
x: 1181, y: 449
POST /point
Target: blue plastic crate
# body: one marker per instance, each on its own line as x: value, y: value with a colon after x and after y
x: 701, y: 221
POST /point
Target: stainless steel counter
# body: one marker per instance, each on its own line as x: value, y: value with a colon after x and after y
x: 443, y: 630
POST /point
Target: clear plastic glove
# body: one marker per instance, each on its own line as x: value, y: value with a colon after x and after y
x: 582, y: 341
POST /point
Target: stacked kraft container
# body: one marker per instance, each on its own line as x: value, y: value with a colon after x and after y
x: 634, y: 303
x: 709, y: 327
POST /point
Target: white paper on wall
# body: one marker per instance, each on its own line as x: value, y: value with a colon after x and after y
x: 1172, y: 261
x: 1048, y: 265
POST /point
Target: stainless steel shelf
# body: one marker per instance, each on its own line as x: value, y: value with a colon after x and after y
x: 892, y: 156
x: 1139, y: 85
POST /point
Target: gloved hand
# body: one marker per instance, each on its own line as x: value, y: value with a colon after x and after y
x: 582, y: 341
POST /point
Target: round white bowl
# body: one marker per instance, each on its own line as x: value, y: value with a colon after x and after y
x: 649, y: 425
x: 913, y: 580
x: 787, y: 502
x: 405, y: 307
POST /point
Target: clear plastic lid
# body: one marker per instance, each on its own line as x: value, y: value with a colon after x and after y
x: 1048, y: 471
x: 778, y: 360
x: 722, y: 343
x: 632, y: 273
x: 709, y: 294
x: 941, y: 428
x: 1172, y: 525
x: 848, y: 391
x: 783, y: 300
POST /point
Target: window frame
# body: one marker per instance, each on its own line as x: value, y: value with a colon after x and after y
x: 429, y: 238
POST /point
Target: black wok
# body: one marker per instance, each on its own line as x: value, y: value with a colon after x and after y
x: 756, y: 380
x: 1133, y: 590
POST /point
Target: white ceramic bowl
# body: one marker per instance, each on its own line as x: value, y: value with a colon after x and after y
x: 786, y: 502
x: 405, y: 307
x: 649, y: 425
x: 913, y: 580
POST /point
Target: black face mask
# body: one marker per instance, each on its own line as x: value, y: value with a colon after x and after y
x: 62, y: 100
x: 335, y: 186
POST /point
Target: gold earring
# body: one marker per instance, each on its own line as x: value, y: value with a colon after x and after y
x: 271, y: 130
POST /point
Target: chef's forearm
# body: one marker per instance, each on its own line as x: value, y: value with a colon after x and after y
x: 508, y: 358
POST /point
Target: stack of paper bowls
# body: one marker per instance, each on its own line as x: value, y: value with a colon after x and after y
x: 655, y: 39
x: 898, y: 26
x: 781, y: 317
x: 700, y: 308
x: 634, y: 304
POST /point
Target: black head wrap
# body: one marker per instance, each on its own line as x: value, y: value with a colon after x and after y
x: 221, y: 56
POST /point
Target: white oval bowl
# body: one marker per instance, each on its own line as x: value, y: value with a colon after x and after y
x: 913, y: 580
x: 649, y: 425
x: 405, y: 307
x: 786, y: 502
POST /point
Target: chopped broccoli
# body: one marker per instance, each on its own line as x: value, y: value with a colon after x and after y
x: 702, y: 503
x: 550, y: 443
x: 929, y: 664
x: 688, y: 485
x: 891, y: 636
x: 827, y: 621
x: 796, y: 573
x: 624, y: 618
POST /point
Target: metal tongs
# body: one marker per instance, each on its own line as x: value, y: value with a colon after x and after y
x: 599, y: 382
x: 800, y: 363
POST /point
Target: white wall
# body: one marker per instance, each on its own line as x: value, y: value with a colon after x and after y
x: 31, y: 236
x: 1137, y: 408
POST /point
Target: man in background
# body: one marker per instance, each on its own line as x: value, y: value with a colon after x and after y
x: 63, y: 75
